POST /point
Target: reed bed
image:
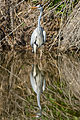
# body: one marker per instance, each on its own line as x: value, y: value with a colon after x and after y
x: 58, y: 17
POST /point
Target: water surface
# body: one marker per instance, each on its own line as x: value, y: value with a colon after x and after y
x: 39, y: 89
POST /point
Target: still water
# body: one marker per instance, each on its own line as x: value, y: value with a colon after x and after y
x: 46, y: 89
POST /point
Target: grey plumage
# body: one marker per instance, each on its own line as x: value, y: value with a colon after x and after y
x: 38, y: 36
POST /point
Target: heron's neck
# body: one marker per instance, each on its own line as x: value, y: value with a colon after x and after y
x: 39, y: 18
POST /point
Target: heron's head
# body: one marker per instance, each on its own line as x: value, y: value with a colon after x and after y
x: 39, y: 7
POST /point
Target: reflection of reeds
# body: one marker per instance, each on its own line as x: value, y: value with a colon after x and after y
x: 59, y: 100
x: 70, y: 74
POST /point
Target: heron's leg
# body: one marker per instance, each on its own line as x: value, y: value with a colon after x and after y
x: 41, y: 51
x: 34, y: 49
x: 34, y: 55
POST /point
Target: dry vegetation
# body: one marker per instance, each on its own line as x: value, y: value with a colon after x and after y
x: 61, y: 99
x: 17, y: 21
x: 71, y: 32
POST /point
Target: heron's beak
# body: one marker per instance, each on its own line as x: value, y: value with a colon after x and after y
x: 33, y: 7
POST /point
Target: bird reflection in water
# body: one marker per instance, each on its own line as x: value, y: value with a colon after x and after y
x: 38, y: 84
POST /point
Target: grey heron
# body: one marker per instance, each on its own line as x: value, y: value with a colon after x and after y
x: 38, y: 36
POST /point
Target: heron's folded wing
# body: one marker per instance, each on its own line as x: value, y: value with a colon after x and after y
x: 33, y: 37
